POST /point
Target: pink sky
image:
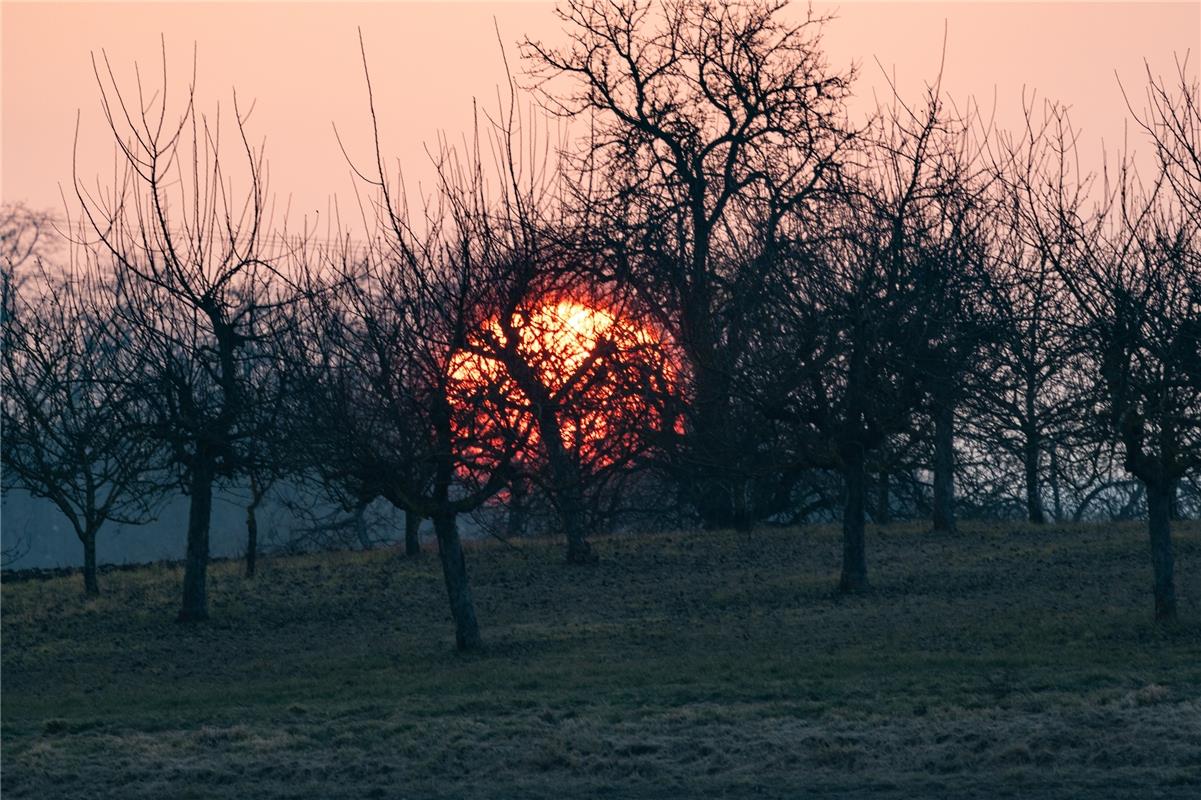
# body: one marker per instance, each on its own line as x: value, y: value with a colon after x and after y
x: 300, y: 62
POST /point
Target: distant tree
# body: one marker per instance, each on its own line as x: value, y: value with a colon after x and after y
x: 344, y: 445
x: 1027, y: 403
x: 267, y: 449
x: 951, y: 269
x: 71, y: 412
x: 341, y: 444
x: 27, y: 237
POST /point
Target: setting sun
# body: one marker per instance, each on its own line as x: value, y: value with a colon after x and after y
x: 593, y: 374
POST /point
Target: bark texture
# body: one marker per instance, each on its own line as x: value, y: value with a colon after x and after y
x: 195, y: 597
x: 1159, y: 508
x: 412, y: 533
x: 884, y: 499
x: 854, y: 551
x: 1034, y: 493
x: 944, y: 468
x: 252, y: 540
x: 454, y: 571
x: 91, y: 586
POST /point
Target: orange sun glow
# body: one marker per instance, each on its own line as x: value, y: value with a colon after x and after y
x: 604, y: 379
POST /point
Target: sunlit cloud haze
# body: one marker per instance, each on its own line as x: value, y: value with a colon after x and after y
x: 300, y: 64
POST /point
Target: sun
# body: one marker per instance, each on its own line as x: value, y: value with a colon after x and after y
x: 563, y: 377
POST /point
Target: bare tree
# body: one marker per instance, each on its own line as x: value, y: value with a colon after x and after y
x: 588, y: 382
x: 864, y: 311
x: 1144, y: 311
x: 388, y: 335
x: 954, y: 242
x: 1135, y: 276
x: 1028, y: 403
x: 198, y: 287
x: 710, y: 126
x: 266, y: 444
x: 70, y: 409
x: 591, y: 383
x: 406, y: 410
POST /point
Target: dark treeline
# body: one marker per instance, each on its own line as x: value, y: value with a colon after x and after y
x: 725, y: 303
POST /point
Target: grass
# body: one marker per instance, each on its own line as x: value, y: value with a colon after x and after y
x: 999, y: 662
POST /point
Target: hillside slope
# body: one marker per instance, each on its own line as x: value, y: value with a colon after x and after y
x: 1000, y: 662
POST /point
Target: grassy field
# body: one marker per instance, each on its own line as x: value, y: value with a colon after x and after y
x: 999, y: 662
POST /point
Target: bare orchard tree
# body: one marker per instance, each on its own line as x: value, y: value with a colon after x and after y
x: 340, y: 444
x: 198, y: 288
x: 519, y: 348
x: 862, y: 310
x: 71, y: 409
x: 386, y: 341
x: 406, y: 413
x: 344, y: 441
x: 595, y: 387
x: 1027, y: 402
x: 700, y: 116
x: 266, y: 447
x: 954, y: 240
x: 1149, y: 321
x: 561, y: 350
x: 1137, y: 286
x: 580, y: 373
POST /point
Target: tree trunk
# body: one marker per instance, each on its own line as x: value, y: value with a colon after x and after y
x: 711, y: 451
x: 854, y: 554
x: 713, y: 501
x: 91, y: 586
x: 944, y: 468
x: 257, y: 490
x: 360, y: 525
x: 884, y: 500
x: 572, y: 514
x: 1056, y: 497
x: 454, y: 571
x: 568, y: 490
x: 743, y: 518
x: 717, y: 478
x: 1159, y: 511
x: 515, y: 525
x: 1031, y: 455
x: 412, y: 533
x: 252, y: 539
x: 195, y: 599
